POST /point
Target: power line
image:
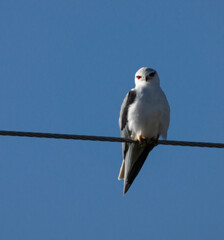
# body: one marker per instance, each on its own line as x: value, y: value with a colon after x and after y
x: 106, y: 139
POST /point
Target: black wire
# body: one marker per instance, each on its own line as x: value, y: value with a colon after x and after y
x: 106, y: 139
x: 65, y: 136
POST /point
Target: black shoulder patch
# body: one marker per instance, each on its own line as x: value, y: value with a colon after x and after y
x: 130, y: 100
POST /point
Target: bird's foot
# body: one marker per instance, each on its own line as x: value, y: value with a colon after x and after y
x: 142, y: 139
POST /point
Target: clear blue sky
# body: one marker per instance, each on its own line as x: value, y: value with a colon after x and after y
x: 65, y: 67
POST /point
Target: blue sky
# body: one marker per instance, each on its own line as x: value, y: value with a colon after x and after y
x: 65, y: 67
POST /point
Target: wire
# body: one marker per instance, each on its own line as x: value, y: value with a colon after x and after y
x: 65, y: 136
x: 107, y: 139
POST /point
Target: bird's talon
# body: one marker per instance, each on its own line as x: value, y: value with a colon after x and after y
x: 142, y: 139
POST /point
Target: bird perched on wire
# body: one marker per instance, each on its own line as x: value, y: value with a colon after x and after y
x: 144, y: 116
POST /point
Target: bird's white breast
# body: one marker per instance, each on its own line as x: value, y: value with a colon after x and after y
x: 144, y: 115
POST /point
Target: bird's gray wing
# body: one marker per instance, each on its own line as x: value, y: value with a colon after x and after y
x: 123, y: 119
x: 125, y: 132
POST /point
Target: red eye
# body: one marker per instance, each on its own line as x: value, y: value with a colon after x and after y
x: 138, y: 77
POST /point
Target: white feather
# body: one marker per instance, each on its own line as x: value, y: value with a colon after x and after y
x: 149, y: 115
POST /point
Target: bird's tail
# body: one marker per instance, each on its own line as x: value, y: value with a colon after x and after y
x: 137, y: 164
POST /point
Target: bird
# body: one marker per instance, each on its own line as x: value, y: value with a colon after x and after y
x: 144, y: 117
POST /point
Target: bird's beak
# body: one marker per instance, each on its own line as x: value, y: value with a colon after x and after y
x: 147, y: 78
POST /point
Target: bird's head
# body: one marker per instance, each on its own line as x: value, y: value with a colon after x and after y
x: 146, y: 76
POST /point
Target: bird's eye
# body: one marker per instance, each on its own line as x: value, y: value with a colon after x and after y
x: 138, y: 77
x: 152, y: 74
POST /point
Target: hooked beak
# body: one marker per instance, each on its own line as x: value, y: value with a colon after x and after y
x: 147, y: 78
x: 143, y: 78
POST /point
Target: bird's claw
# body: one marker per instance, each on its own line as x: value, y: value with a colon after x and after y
x: 142, y: 139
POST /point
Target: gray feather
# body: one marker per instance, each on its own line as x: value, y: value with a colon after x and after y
x: 136, y: 156
x: 125, y: 132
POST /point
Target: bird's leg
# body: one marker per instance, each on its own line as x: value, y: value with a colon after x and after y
x: 142, y: 139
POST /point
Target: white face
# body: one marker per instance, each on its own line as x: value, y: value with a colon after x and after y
x: 146, y: 76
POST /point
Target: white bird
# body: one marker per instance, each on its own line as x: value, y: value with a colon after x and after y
x: 144, y: 116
